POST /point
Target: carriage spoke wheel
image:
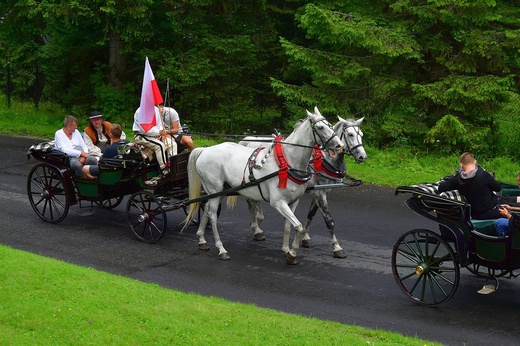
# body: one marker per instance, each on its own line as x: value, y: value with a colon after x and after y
x: 47, y: 193
x: 146, y: 216
x: 111, y: 203
x: 425, y: 267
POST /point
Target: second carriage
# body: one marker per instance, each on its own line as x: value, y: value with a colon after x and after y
x: 426, y: 263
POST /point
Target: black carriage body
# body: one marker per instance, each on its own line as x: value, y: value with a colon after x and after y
x: 52, y: 186
x: 473, y: 243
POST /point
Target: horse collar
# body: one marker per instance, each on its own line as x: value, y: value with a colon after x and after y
x: 323, y: 167
x: 285, y: 171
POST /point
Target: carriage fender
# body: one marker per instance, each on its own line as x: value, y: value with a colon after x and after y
x: 69, y: 185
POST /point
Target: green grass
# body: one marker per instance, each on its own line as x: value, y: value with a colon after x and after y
x: 48, y: 302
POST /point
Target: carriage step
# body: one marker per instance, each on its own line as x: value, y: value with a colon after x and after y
x: 487, y: 289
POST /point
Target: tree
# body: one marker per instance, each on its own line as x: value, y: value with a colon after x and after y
x: 406, y: 64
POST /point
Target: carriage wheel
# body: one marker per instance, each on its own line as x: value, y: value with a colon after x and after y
x: 146, y: 216
x: 47, y: 193
x: 111, y: 203
x: 425, y: 267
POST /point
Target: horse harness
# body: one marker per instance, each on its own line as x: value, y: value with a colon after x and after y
x: 285, y: 171
x: 344, y: 139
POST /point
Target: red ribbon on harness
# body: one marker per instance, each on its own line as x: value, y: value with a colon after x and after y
x: 318, y: 158
x: 283, y: 172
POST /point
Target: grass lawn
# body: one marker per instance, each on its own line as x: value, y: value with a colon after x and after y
x: 49, y: 302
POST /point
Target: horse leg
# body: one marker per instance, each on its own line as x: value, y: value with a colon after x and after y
x: 329, y: 221
x: 306, y: 242
x: 287, y: 229
x: 210, y: 213
x: 203, y: 244
x: 257, y: 216
x: 288, y: 213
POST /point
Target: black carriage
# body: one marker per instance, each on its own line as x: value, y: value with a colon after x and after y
x: 53, y: 187
x: 426, y: 264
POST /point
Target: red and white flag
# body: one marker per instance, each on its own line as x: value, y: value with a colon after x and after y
x: 150, y: 96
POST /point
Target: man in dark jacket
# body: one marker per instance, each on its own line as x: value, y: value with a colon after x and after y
x: 477, y: 186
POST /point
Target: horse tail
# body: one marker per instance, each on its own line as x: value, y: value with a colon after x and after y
x: 232, y: 201
x: 195, y: 186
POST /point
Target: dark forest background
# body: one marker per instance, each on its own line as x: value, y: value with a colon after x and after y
x: 437, y: 75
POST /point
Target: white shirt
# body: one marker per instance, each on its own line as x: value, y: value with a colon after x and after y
x: 70, y: 146
x: 170, y: 116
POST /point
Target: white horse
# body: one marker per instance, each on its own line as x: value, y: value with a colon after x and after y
x: 277, y: 178
x: 333, y: 171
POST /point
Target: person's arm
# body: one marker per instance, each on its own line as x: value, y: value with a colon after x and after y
x: 508, y: 207
x: 78, y: 139
x: 174, y: 128
x: 91, y: 147
x: 494, y: 184
x: 447, y: 185
x: 63, y: 144
x: 504, y: 212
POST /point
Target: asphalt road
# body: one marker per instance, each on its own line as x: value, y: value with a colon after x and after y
x: 359, y: 290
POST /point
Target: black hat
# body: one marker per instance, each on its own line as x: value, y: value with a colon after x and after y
x: 95, y: 114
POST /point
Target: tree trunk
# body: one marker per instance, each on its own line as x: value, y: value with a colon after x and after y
x: 116, y: 61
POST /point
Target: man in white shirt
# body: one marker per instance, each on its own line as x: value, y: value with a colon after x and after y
x: 69, y: 141
x: 172, y: 124
x: 151, y: 139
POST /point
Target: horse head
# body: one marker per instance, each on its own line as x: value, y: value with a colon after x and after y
x: 324, y: 134
x: 350, y: 133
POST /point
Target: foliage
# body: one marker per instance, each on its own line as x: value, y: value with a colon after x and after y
x: 394, y: 61
x: 407, y: 165
x: 449, y: 133
x: 242, y: 66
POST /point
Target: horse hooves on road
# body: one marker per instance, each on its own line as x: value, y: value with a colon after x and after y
x: 307, y: 243
x: 259, y: 237
x: 290, y: 259
x: 340, y: 254
x: 224, y: 256
x: 204, y: 247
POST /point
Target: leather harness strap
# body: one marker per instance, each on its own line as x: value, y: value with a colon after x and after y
x: 285, y: 171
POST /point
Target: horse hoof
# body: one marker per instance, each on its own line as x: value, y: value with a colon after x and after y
x: 290, y: 259
x: 307, y: 243
x: 259, y: 237
x: 204, y: 247
x: 224, y: 256
x: 340, y: 254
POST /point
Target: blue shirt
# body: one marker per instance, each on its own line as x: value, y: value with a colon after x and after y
x: 111, y: 151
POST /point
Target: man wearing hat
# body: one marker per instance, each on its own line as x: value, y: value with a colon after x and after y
x: 96, y: 134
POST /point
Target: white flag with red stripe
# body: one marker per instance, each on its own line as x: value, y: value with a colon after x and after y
x: 150, y: 97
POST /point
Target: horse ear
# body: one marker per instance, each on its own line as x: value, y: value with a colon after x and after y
x: 316, y: 110
x: 341, y: 119
x: 359, y: 121
x: 308, y: 113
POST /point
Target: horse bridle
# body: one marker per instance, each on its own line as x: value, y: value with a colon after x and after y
x: 314, y: 132
x: 343, y: 138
